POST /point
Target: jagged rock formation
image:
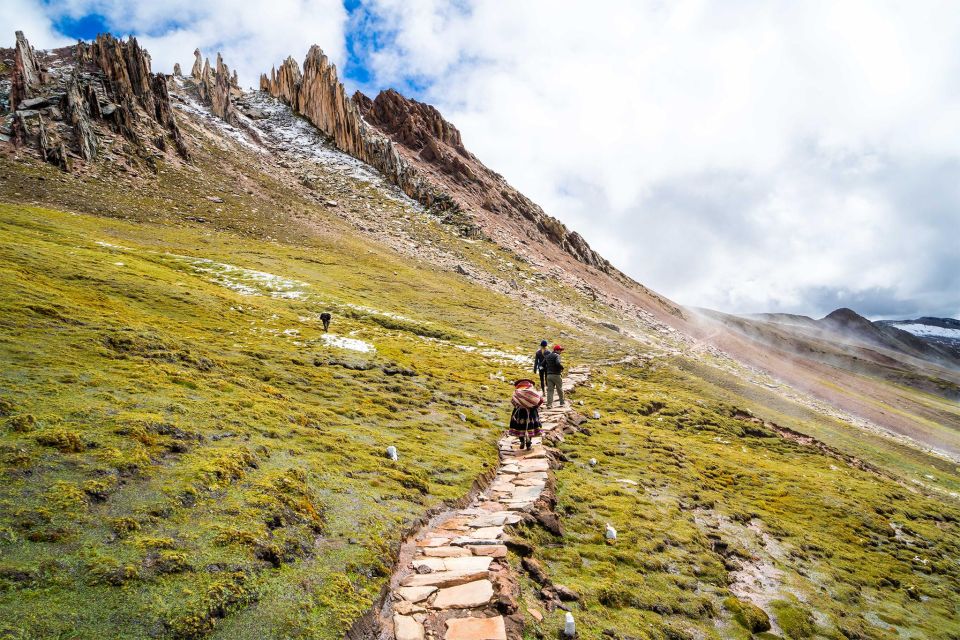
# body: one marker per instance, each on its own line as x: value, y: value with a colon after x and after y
x: 62, y: 99
x: 418, y: 150
x: 27, y: 74
x: 197, y: 71
x: 215, y: 87
x: 318, y: 95
x: 422, y: 130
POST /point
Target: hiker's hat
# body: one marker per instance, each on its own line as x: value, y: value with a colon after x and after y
x: 523, y: 382
x: 557, y: 347
x: 544, y: 343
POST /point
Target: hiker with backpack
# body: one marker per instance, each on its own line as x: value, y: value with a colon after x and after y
x: 538, y: 364
x: 554, y: 371
x: 525, y: 419
x: 325, y: 319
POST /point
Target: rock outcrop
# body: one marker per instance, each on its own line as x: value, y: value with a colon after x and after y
x: 107, y: 84
x: 318, y: 95
x: 197, y: 72
x: 28, y: 77
x: 418, y: 150
x: 429, y: 140
x: 215, y: 87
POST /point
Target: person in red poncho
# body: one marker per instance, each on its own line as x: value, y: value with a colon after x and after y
x: 525, y: 419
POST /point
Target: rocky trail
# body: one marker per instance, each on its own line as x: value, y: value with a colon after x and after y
x: 453, y: 580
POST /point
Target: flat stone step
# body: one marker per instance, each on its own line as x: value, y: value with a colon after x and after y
x: 466, y: 563
x: 492, y: 550
x: 538, y: 464
x: 487, y: 533
x: 526, y: 494
x: 407, y: 628
x: 467, y: 541
x: 530, y: 482
x: 443, y: 578
x: 476, y: 629
x: 435, y: 564
x: 465, y: 596
x: 495, y: 519
x: 433, y: 542
x: 444, y: 552
x: 415, y: 594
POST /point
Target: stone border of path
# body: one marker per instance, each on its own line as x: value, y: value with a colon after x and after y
x: 453, y: 581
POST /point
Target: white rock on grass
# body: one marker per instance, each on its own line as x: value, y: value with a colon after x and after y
x: 611, y: 533
x: 392, y: 453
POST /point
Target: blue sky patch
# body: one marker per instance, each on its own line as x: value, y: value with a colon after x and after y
x: 83, y: 28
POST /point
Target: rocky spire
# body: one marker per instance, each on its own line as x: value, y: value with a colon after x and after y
x: 205, y: 82
x: 195, y: 73
x: 221, y: 103
x: 318, y: 95
x: 127, y: 68
x: 78, y: 113
x: 27, y: 74
x: 215, y: 86
x: 165, y: 115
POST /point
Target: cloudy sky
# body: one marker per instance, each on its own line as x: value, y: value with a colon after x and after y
x: 744, y: 156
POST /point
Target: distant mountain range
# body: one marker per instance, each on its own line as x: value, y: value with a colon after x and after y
x: 944, y: 333
x: 936, y: 339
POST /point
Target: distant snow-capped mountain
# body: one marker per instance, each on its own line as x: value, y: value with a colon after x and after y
x: 944, y: 332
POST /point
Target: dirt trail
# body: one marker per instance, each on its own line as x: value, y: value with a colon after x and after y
x: 453, y: 572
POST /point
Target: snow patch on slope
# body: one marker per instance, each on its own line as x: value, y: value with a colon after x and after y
x: 929, y: 331
x: 248, y: 282
x: 347, y: 343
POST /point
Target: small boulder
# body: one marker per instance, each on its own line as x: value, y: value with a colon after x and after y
x: 392, y: 453
x: 33, y: 103
x: 537, y: 573
x: 566, y: 593
x: 749, y: 615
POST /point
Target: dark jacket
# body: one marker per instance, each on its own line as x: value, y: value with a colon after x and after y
x: 538, y: 360
x: 552, y: 363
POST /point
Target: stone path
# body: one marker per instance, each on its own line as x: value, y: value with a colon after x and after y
x: 453, y: 572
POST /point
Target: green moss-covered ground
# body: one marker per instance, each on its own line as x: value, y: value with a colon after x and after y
x: 183, y: 454
x: 699, y: 492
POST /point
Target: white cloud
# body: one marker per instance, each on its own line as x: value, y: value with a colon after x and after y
x: 252, y: 36
x: 741, y: 155
x: 33, y: 20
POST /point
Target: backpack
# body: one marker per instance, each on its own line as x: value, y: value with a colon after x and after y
x: 552, y: 363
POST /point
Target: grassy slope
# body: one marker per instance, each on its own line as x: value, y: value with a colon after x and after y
x: 172, y: 453
x: 859, y: 555
x: 187, y: 468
